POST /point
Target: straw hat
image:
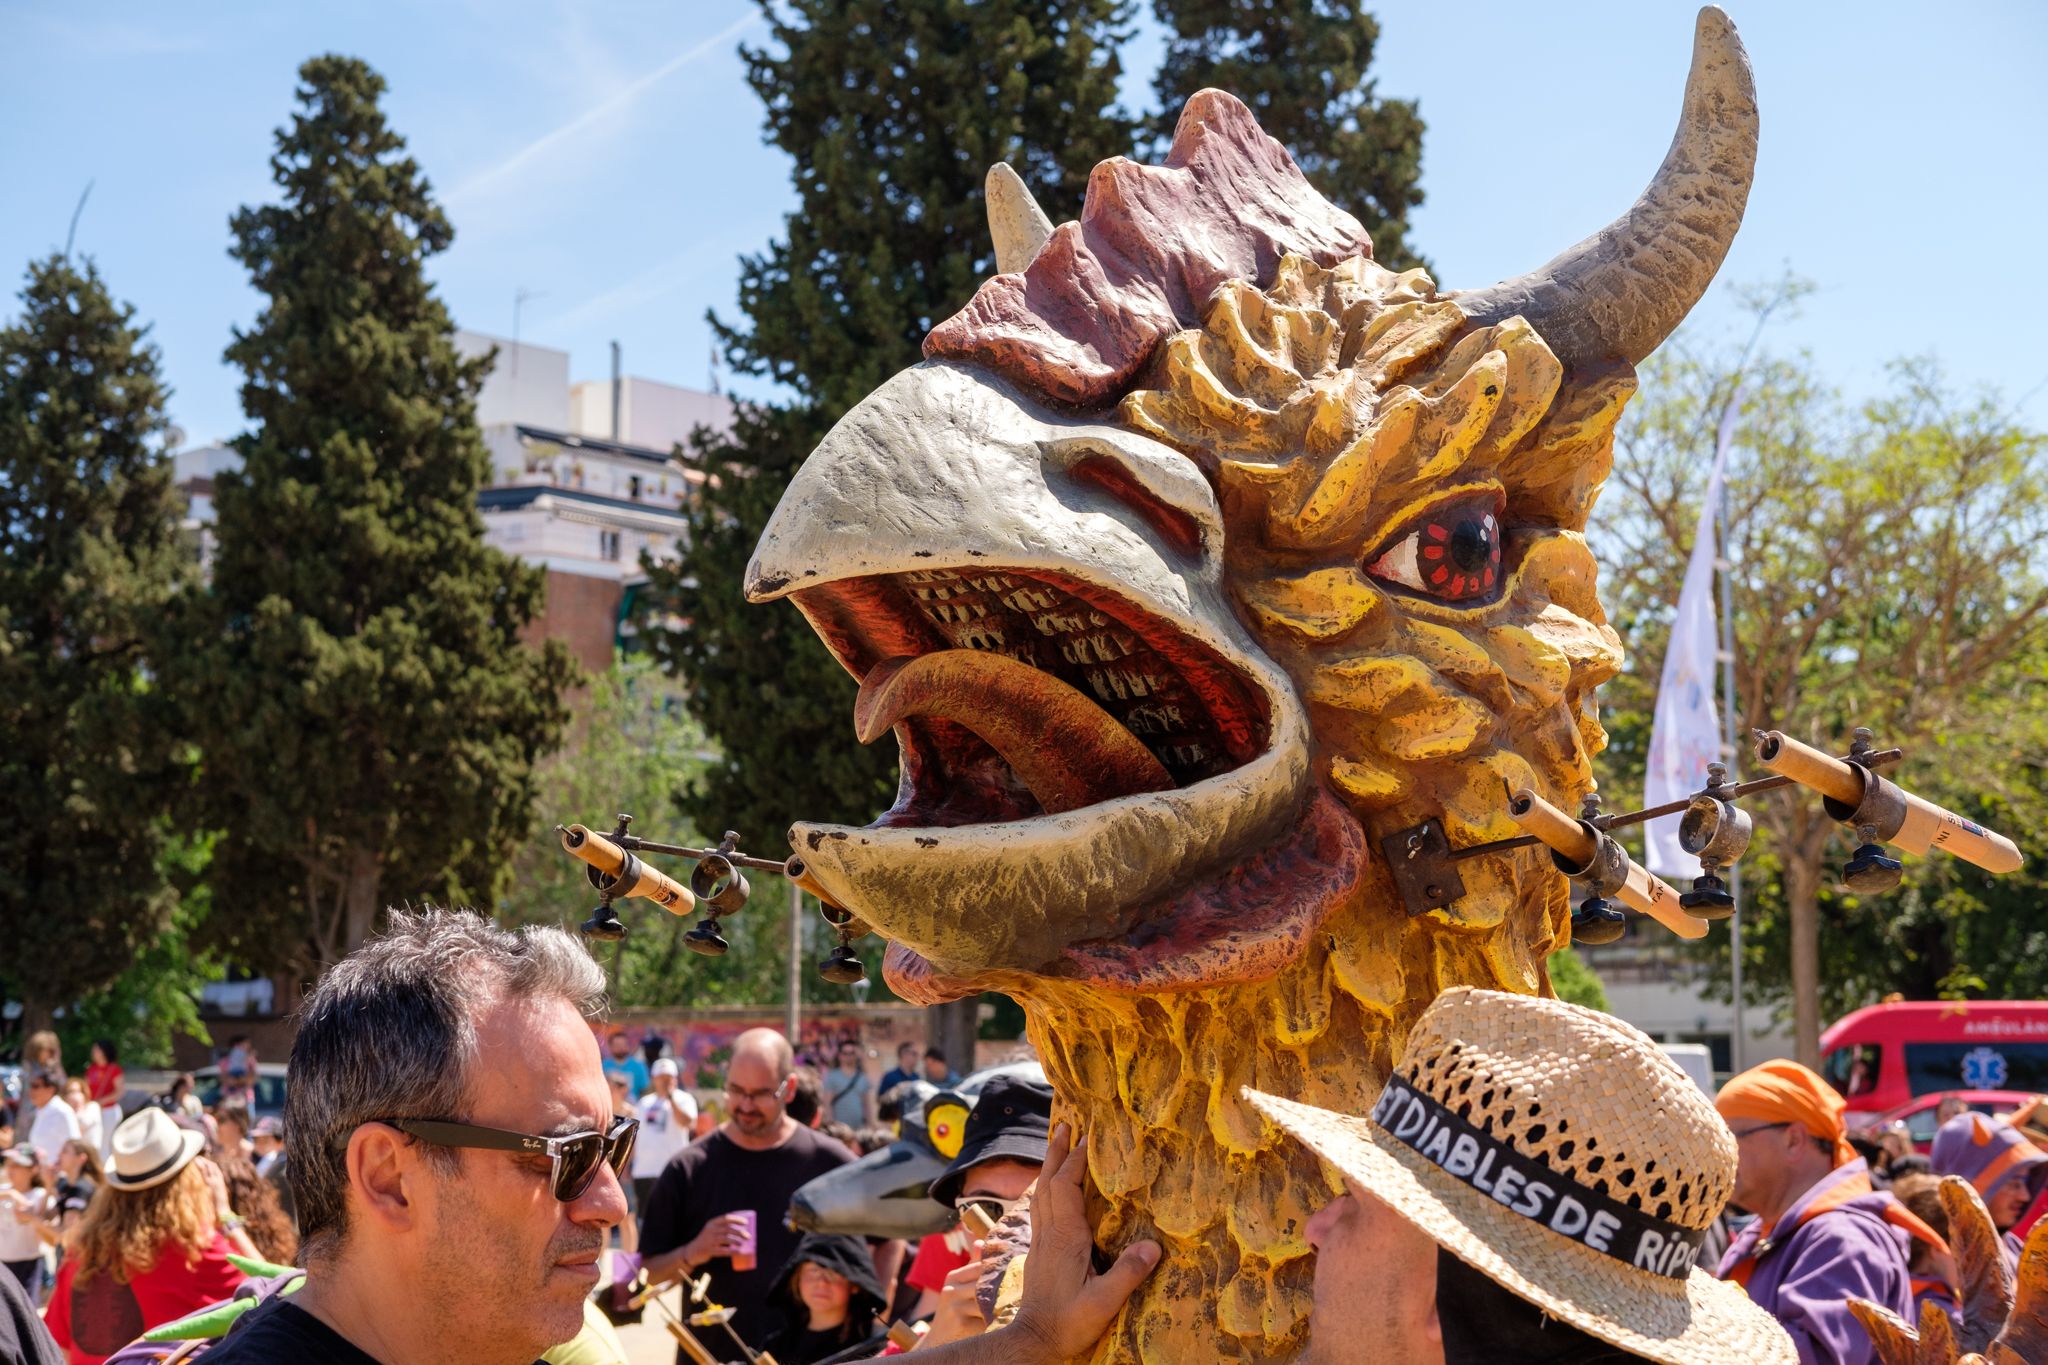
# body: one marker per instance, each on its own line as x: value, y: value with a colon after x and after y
x: 149, y: 1149
x: 1560, y: 1153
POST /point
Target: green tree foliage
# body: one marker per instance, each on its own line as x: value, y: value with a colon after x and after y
x: 368, y: 714
x: 1887, y: 572
x: 157, y: 998
x: 1302, y: 67
x: 1576, y: 982
x: 892, y: 111
x: 90, y: 552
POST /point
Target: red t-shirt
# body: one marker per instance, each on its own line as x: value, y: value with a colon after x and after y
x: 103, y: 1082
x: 106, y: 1315
x: 935, y: 1261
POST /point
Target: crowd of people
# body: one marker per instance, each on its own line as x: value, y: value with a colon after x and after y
x: 119, y: 1212
x: 1536, y: 1182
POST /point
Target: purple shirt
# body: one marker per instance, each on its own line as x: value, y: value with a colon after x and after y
x: 1806, y: 1280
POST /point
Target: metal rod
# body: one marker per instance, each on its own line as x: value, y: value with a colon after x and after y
x: 1731, y: 750
x: 635, y: 844
x: 796, y: 969
x: 1883, y: 758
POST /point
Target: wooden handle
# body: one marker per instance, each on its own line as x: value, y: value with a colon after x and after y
x: 1809, y: 767
x: 978, y: 1224
x: 1651, y: 894
x: 1644, y: 891
x: 1930, y: 826
x: 1553, y: 827
x: 1924, y: 826
x: 609, y: 859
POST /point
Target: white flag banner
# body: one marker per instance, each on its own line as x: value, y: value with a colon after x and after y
x: 1685, y: 731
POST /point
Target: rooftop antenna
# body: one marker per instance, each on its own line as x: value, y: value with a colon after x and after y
x: 615, y: 391
x: 68, y: 236
x: 519, y: 298
x: 714, y: 369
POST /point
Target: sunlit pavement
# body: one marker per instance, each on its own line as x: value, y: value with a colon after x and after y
x: 647, y: 1342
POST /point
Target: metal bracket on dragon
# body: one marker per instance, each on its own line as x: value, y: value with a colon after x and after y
x: 1713, y: 829
x: 1425, y: 870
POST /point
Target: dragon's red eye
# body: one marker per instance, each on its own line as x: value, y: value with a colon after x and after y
x: 1452, y: 555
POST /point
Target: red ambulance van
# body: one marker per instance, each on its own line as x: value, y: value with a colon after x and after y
x: 1882, y: 1056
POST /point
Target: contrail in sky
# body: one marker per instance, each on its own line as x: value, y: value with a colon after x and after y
x: 624, y: 96
x: 649, y: 283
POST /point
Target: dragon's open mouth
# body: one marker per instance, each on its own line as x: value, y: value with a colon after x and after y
x: 1110, y: 786
x: 1103, y: 775
x: 1017, y: 694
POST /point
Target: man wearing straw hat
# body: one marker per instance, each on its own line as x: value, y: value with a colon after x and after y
x: 1822, y: 1233
x: 1533, y: 1185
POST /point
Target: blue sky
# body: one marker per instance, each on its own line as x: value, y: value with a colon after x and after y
x: 608, y: 159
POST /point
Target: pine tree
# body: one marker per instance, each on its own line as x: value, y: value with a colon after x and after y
x: 368, y: 715
x: 90, y: 552
x: 1301, y: 65
x: 893, y: 110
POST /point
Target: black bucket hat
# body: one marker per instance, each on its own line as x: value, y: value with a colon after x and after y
x: 1011, y: 1121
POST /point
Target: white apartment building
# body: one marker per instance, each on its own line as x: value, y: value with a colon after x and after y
x: 584, y: 481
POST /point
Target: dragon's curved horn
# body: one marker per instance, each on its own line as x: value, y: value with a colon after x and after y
x: 1619, y: 293
x: 1015, y: 221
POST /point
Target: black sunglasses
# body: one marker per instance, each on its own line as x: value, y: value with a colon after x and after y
x: 576, y: 1157
x: 1760, y: 1128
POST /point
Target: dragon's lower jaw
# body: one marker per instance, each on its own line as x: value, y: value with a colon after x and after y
x: 1246, y: 924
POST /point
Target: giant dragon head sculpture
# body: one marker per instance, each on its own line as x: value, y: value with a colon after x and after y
x: 1200, y: 554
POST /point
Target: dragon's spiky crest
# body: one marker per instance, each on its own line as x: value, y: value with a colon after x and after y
x: 1152, y: 245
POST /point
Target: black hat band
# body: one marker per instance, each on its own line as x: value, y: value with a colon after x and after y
x: 1529, y: 1189
x: 162, y: 1168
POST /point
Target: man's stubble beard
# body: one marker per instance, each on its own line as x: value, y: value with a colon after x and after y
x: 503, y: 1301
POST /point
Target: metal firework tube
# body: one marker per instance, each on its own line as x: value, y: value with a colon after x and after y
x: 633, y: 876
x: 1856, y: 796
x: 1580, y: 843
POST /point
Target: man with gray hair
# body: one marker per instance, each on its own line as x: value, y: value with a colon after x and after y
x: 451, y: 1147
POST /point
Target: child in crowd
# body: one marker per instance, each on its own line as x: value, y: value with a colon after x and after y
x: 24, y: 1205
x: 829, y: 1298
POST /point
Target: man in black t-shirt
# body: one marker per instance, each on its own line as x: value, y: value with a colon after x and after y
x: 752, y: 1163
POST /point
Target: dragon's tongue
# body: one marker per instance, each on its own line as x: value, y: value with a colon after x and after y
x: 1066, y: 749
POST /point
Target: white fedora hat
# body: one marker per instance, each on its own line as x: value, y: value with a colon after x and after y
x: 149, y: 1149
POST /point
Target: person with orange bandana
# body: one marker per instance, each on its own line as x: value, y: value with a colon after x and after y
x: 1822, y: 1233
